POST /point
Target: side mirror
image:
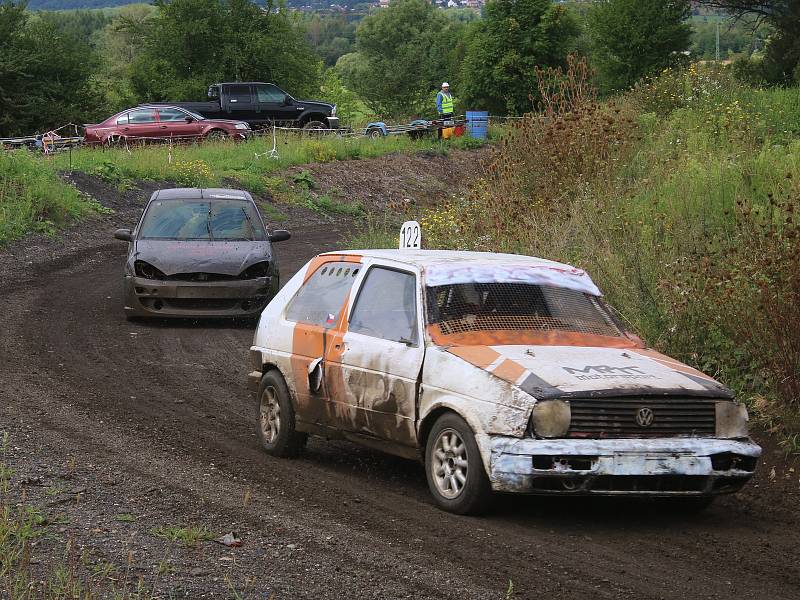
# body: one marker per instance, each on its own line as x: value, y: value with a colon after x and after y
x: 189, y: 119
x: 287, y: 100
x: 126, y: 235
x: 279, y: 235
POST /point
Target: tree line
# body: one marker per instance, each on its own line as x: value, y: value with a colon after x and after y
x: 82, y: 66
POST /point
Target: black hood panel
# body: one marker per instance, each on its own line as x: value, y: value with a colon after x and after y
x: 223, y: 258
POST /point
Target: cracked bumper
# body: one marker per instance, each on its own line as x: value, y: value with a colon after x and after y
x: 639, y: 467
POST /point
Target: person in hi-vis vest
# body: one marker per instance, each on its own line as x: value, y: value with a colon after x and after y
x: 444, y: 103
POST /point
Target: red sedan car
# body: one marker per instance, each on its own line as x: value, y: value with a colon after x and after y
x: 159, y: 122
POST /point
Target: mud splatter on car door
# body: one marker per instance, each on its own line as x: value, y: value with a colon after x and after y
x: 380, y: 357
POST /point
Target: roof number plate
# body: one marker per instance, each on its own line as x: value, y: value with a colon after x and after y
x: 410, y: 236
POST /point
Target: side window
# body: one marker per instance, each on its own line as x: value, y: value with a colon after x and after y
x: 387, y: 306
x: 321, y: 298
x: 171, y: 114
x: 269, y: 94
x: 141, y: 116
x: 239, y: 94
x: 123, y: 119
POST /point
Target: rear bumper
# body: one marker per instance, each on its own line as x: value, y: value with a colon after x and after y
x: 153, y: 298
x: 636, y: 467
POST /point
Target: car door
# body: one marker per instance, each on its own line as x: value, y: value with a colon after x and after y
x: 141, y: 124
x: 317, y: 311
x: 272, y: 106
x: 241, y: 104
x: 172, y: 123
x: 373, y: 367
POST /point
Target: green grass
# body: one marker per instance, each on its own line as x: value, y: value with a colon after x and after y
x: 247, y: 164
x: 188, y: 535
x: 34, y: 198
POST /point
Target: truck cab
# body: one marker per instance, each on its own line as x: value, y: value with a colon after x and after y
x: 262, y: 104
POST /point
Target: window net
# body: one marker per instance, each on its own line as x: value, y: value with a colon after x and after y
x: 466, y: 307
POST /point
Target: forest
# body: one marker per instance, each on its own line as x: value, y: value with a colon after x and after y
x: 386, y: 64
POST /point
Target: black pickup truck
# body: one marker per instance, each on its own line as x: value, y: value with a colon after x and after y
x: 262, y: 104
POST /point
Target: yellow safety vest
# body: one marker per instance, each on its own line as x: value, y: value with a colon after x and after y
x: 447, y: 103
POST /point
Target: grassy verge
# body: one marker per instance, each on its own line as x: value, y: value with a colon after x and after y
x: 34, y: 198
x: 681, y: 199
x: 249, y: 164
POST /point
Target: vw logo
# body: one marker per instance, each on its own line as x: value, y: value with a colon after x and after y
x: 645, y: 417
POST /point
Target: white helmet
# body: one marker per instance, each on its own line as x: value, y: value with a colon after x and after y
x: 445, y: 84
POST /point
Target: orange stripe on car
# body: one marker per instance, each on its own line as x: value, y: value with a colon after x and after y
x: 528, y: 338
x: 671, y: 363
x: 480, y: 356
x: 510, y: 371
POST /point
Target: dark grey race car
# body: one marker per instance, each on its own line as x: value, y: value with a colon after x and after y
x: 200, y: 253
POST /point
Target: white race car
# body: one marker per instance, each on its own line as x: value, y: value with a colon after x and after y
x: 501, y: 372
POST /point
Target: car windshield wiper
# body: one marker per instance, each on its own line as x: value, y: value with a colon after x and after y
x: 208, y: 225
x: 249, y: 224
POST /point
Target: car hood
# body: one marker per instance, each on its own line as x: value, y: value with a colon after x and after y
x: 223, y: 258
x: 315, y: 104
x: 225, y: 121
x: 571, y: 371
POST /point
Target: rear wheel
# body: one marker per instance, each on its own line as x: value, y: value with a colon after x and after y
x: 456, y: 475
x: 275, y: 418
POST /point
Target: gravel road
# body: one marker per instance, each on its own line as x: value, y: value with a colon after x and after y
x: 118, y: 429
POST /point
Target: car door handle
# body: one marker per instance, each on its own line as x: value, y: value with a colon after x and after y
x: 163, y: 127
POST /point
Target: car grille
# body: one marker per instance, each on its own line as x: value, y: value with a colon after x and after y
x: 617, y: 417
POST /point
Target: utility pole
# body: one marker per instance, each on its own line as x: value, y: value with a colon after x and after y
x: 717, y: 54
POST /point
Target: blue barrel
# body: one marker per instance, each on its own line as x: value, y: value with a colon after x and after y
x: 478, y: 123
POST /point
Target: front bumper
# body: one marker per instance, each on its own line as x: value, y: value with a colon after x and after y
x: 638, y: 467
x: 238, y: 298
x: 333, y: 122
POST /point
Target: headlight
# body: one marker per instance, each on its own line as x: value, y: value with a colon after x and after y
x: 333, y: 111
x: 242, y: 126
x: 146, y: 270
x: 551, y: 418
x: 260, y: 269
x: 731, y: 419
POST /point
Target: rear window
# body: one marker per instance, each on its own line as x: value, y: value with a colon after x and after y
x: 467, y: 307
x: 212, y: 220
x: 320, y: 300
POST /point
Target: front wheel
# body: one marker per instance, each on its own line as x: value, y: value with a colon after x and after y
x: 315, y: 126
x: 456, y: 475
x: 216, y: 134
x: 275, y: 418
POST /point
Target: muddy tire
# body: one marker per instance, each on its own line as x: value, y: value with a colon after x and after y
x: 454, y: 467
x: 314, y: 125
x: 275, y: 421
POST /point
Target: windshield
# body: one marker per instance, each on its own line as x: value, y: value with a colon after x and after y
x: 469, y: 307
x: 212, y: 220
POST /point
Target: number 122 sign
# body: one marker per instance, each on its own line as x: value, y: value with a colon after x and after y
x: 410, y: 235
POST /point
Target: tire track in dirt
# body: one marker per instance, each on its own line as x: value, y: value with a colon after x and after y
x: 155, y: 420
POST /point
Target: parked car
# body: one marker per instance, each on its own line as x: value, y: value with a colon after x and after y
x: 162, y: 121
x: 502, y: 373
x: 261, y: 104
x: 200, y: 253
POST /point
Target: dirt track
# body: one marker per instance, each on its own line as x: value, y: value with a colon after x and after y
x: 109, y: 418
